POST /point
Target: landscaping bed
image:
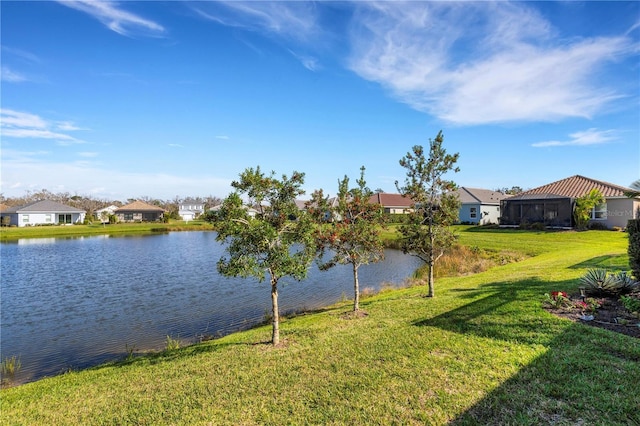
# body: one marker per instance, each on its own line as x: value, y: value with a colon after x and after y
x: 611, y: 315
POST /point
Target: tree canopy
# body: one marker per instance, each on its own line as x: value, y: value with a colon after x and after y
x: 348, y: 230
x: 435, y: 203
x: 276, y: 242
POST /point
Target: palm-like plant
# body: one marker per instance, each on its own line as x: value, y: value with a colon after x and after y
x: 635, y: 190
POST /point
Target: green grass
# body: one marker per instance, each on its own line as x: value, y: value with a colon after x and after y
x: 15, y: 233
x: 481, y: 352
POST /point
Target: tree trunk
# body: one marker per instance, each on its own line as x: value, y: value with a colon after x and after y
x: 356, y: 289
x: 275, y: 335
x: 431, y: 286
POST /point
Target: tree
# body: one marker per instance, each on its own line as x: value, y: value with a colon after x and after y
x: 635, y: 190
x: 426, y: 234
x: 584, y: 206
x: 277, y: 242
x: 352, y: 235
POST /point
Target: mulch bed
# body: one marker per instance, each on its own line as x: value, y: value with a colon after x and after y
x: 612, y: 315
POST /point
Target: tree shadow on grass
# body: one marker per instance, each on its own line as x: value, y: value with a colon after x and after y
x: 585, y: 376
x: 617, y: 262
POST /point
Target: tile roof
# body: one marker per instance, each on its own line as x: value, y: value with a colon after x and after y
x: 578, y: 186
x: 43, y: 206
x: 483, y: 196
x: 140, y: 206
x: 391, y: 200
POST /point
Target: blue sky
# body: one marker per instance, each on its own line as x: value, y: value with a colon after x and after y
x: 126, y: 99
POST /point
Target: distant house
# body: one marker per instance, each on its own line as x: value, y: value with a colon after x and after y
x: 553, y: 204
x: 43, y: 212
x: 479, y: 206
x: 139, y: 211
x: 108, y: 211
x: 189, y: 209
x: 392, y: 203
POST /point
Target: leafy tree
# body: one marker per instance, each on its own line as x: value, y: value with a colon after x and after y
x: 584, y: 206
x: 348, y: 231
x: 426, y: 233
x: 277, y: 242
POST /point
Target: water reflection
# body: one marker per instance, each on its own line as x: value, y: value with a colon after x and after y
x: 82, y: 301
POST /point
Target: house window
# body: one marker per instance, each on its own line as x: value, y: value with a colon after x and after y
x: 47, y: 218
x: 128, y: 216
x: 473, y: 212
x: 25, y: 218
x: 599, y: 212
x: 64, y: 218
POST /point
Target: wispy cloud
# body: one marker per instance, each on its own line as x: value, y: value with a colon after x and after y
x: 16, y: 124
x: 116, y: 19
x: 477, y: 63
x: 176, y: 145
x: 223, y: 137
x: 290, y: 19
x: 588, y: 137
x: 11, y: 76
x: 309, y: 62
x: 87, y: 154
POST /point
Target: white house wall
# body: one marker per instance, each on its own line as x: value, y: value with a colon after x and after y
x: 620, y: 211
x: 33, y: 218
x: 485, y: 214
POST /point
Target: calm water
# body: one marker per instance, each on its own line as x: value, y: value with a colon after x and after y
x: 74, y: 303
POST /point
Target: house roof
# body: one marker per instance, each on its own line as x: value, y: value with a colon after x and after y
x: 43, y: 206
x: 578, y: 186
x: 140, y: 206
x: 391, y: 200
x: 482, y: 196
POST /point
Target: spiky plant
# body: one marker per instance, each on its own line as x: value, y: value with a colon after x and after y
x: 598, y: 282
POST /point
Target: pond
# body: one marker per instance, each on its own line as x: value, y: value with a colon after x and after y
x: 78, y: 302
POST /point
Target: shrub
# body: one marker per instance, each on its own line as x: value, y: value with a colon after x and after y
x: 598, y: 282
x: 631, y: 304
x: 633, y: 228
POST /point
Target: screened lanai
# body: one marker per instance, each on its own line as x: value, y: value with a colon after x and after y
x: 549, y: 209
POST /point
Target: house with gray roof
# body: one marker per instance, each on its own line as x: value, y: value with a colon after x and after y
x: 189, y: 209
x: 479, y: 206
x: 44, y: 212
x: 553, y: 204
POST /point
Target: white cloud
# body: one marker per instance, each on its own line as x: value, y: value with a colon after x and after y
x: 118, y: 20
x: 11, y: 76
x: 309, y: 62
x: 87, y: 154
x: 176, y: 145
x: 291, y: 19
x: 23, y: 171
x: 16, y: 124
x: 588, y: 137
x: 223, y: 137
x: 477, y: 63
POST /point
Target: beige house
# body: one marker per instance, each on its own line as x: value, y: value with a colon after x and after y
x: 139, y: 211
x: 553, y: 204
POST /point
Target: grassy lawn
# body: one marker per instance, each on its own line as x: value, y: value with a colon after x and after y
x: 482, y: 352
x: 15, y: 233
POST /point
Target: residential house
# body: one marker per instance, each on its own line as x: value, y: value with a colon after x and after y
x: 553, y: 204
x: 139, y: 211
x: 44, y: 212
x: 479, y: 206
x: 392, y: 203
x: 104, y: 213
x: 189, y: 209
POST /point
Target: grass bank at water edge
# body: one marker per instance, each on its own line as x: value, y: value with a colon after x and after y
x: 481, y: 352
